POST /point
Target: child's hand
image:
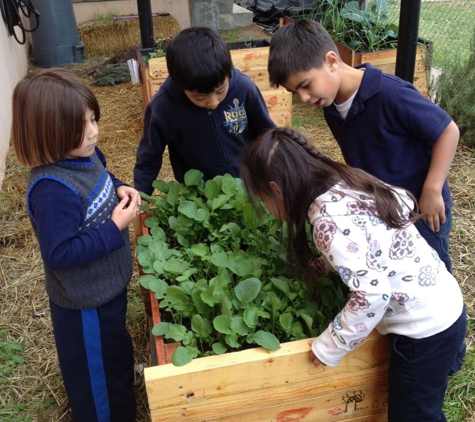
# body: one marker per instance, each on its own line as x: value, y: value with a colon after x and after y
x: 128, y: 207
x: 313, y: 358
x: 127, y: 191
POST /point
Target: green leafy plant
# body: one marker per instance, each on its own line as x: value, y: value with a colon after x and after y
x: 454, y: 91
x: 10, y: 358
x: 371, y: 29
x: 219, y: 272
x: 360, y: 29
x: 10, y: 355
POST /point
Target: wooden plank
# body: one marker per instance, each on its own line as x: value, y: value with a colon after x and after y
x: 312, y: 400
x: 250, y: 58
x: 256, y: 369
x: 281, y: 118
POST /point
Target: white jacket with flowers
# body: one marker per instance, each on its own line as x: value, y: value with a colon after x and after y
x: 397, y: 282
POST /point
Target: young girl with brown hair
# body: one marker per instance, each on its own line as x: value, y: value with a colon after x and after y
x: 365, y: 232
x: 80, y: 215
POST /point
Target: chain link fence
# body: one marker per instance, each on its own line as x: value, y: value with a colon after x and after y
x: 448, y: 24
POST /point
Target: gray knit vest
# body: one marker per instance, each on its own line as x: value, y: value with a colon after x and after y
x: 101, y: 280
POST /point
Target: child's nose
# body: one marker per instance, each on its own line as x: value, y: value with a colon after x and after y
x: 304, y: 97
x: 212, y: 101
x: 93, y: 131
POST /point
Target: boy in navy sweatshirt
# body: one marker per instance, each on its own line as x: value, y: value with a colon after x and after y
x: 206, y: 112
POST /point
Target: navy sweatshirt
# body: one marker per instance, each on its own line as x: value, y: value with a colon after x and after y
x: 197, y: 138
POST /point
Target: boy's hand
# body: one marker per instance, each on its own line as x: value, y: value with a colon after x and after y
x: 128, y: 207
x: 433, y: 209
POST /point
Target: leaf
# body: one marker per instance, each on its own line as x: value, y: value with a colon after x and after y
x: 159, y: 287
x: 212, y: 296
x: 201, y: 326
x: 202, y: 215
x: 222, y: 324
x: 184, y: 355
x: 240, y: 266
x: 247, y: 290
x: 177, y: 297
x: 186, y: 275
x: 283, y: 284
x: 145, y: 280
x: 238, y: 326
x: 286, y: 321
x: 232, y: 340
x: 251, y: 316
x: 160, y: 250
x: 211, y: 189
x: 228, y: 185
x: 176, y: 266
x: 176, y: 332
x: 160, y: 329
x: 219, y: 348
x: 187, y: 208
x: 307, y: 319
x: 172, y: 196
x: 266, y: 340
x: 144, y: 240
x: 200, y: 306
x: 193, y: 177
x: 200, y: 249
x: 233, y: 229
x: 219, y: 201
x: 220, y: 259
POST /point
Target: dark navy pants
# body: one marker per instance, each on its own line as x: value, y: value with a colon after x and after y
x: 419, y: 371
x: 96, y: 359
x: 439, y: 241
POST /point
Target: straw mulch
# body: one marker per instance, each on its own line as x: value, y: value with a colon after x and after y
x: 105, y: 38
x: 24, y: 311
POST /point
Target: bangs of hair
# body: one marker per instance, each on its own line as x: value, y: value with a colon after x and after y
x: 297, y: 47
x: 198, y: 59
x: 48, y: 116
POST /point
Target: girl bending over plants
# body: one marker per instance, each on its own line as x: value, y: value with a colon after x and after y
x: 365, y: 232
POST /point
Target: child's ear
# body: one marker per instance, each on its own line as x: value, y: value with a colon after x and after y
x: 332, y: 59
x: 275, y: 187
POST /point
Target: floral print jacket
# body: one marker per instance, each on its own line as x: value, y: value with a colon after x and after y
x: 397, y: 282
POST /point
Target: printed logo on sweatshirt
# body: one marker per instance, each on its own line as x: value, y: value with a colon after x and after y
x: 236, y: 118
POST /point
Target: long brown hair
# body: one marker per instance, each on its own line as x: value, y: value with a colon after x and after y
x: 48, y: 115
x: 301, y: 172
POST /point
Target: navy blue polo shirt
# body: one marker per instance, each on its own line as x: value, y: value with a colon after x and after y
x: 390, y: 131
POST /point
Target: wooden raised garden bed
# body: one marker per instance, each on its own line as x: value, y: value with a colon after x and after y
x: 251, y: 61
x: 386, y: 61
x: 257, y: 385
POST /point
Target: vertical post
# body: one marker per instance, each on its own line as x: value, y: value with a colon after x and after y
x: 407, y: 39
x: 146, y: 24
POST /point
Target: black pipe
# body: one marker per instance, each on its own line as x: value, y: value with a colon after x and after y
x: 407, y: 39
x: 146, y: 24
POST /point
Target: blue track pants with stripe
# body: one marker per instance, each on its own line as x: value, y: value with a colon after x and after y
x: 96, y: 359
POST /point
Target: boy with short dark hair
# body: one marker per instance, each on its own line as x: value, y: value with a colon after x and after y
x: 381, y: 122
x: 206, y: 111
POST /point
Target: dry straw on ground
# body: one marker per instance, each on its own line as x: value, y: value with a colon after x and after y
x: 24, y: 311
x: 103, y: 38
